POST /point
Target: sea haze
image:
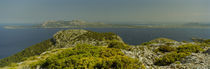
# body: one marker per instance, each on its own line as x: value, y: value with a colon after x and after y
x: 15, y: 40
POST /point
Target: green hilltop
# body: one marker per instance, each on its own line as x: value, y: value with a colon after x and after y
x: 82, y: 49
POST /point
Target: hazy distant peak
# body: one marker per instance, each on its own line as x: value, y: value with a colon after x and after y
x: 53, y: 23
x: 81, y: 21
x: 162, y: 40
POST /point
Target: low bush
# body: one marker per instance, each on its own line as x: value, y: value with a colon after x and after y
x: 207, y: 41
x: 189, y: 48
x: 170, y: 58
x: 89, y: 57
x: 166, y: 49
x: 98, y: 36
x: 146, y: 43
x: 118, y: 45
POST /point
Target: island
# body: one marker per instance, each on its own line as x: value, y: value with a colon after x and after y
x: 85, y: 24
x: 70, y: 24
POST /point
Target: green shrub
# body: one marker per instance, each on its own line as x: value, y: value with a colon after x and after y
x: 189, y: 48
x: 177, y: 62
x: 98, y: 36
x: 185, y: 41
x: 204, y: 45
x: 170, y: 58
x: 118, y: 45
x: 207, y: 41
x: 166, y: 49
x: 146, y: 43
x: 118, y: 62
x: 162, y: 40
x: 89, y: 57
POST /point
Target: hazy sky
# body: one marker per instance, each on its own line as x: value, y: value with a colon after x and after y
x: 20, y: 11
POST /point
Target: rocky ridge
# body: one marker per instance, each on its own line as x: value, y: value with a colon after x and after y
x: 147, y: 53
x: 68, y: 38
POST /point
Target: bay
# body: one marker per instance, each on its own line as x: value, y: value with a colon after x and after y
x: 15, y: 40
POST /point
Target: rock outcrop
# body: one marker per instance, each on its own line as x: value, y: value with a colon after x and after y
x: 69, y: 38
x: 148, y: 54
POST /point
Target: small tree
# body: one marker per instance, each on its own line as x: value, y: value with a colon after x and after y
x: 166, y: 49
x: 118, y: 45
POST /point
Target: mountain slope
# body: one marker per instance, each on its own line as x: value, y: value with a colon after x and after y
x: 82, y: 56
x: 62, y: 39
x: 68, y: 38
x: 26, y: 53
x: 85, y: 49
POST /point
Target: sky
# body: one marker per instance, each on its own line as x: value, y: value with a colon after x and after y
x: 35, y: 11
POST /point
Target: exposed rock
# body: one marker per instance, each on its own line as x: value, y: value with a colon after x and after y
x: 147, y: 55
x: 65, y: 37
x: 143, y: 53
x: 196, y: 61
x: 68, y: 38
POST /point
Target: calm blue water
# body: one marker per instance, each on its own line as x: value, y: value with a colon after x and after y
x: 15, y: 40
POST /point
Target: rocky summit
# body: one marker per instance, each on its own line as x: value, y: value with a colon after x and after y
x: 83, y: 49
x: 68, y: 38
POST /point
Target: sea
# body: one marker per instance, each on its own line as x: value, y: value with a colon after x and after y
x: 15, y: 40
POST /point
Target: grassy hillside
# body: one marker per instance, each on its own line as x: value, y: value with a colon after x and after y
x: 73, y: 49
x: 82, y: 56
x: 28, y: 52
x: 65, y: 38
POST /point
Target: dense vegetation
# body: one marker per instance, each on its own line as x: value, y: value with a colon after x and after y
x: 39, y: 48
x: 86, y: 56
x: 160, y: 40
x: 146, y: 43
x: 118, y: 45
x: 99, y: 36
x: 166, y: 49
x: 189, y: 48
x: 176, y: 54
x: 31, y: 51
x: 207, y: 41
x: 171, y: 58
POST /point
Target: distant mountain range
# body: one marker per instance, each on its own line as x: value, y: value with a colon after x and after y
x: 84, y: 24
x: 196, y: 24
x: 71, y: 24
